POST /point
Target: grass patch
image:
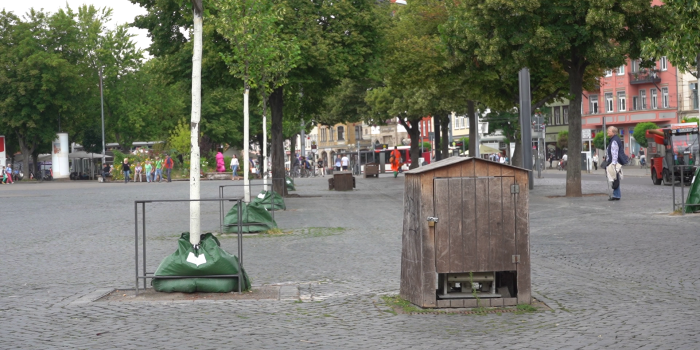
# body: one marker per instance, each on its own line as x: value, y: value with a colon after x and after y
x: 274, y: 231
x: 321, y: 231
x: 398, y: 305
x: 395, y: 301
x: 525, y: 308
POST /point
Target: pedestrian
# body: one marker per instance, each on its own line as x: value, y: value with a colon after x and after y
x: 551, y: 158
x: 220, y: 165
x: 320, y: 167
x: 148, y: 170
x: 337, y: 163
x: 168, y: 164
x: 616, y: 154
x: 8, y: 173
x: 137, y: 172
x: 126, y: 169
x: 105, y: 172
x: 344, y: 162
x: 234, y: 167
x: 595, y: 161
x: 159, y: 170
x: 4, y: 176
x: 564, y: 159
x: 253, y: 169
x: 395, y: 161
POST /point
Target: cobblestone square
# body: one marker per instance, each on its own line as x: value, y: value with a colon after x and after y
x: 619, y: 275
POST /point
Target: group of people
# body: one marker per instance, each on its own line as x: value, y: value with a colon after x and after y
x: 235, y: 165
x: 342, y: 163
x: 498, y: 158
x: 7, y: 175
x: 158, y: 170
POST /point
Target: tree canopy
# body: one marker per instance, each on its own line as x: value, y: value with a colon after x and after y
x: 572, y: 35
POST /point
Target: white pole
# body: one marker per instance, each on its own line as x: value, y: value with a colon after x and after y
x: 264, y: 152
x: 102, y: 108
x: 194, y: 130
x: 246, y: 148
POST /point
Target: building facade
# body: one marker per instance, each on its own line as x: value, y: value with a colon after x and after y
x: 629, y: 95
x: 687, y: 95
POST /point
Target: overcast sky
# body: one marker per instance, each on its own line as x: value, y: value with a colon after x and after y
x: 123, y: 11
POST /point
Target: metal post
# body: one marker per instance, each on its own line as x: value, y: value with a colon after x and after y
x: 136, y: 244
x: 102, y: 107
x: 221, y: 209
x: 359, y: 161
x: 302, y: 142
x: 143, y: 221
x: 673, y: 185
x: 240, y: 246
x: 682, y: 188
x: 526, y: 135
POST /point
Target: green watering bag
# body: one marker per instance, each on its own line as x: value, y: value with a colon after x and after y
x: 209, y: 259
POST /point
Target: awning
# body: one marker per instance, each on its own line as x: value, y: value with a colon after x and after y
x: 83, y: 154
x: 483, y: 149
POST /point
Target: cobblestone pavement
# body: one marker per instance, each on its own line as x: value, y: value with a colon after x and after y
x: 619, y: 275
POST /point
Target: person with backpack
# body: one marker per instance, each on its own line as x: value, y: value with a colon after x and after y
x: 168, y: 166
x: 616, y: 158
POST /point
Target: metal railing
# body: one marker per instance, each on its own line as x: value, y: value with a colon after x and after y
x: 645, y: 76
x: 682, y: 204
x: 262, y: 184
x: 146, y: 275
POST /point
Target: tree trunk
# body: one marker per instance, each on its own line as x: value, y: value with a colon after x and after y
x: 277, y: 147
x: 26, y: 153
x: 414, y: 135
x: 445, y: 125
x: 473, y: 129
x: 573, y: 165
x: 517, y: 157
x: 437, y: 138
x: 37, y: 169
x: 195, y: 220
x: 292, y: 149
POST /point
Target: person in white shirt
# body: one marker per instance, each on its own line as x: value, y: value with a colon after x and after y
x: 344, y: 162
x: 234, y: 168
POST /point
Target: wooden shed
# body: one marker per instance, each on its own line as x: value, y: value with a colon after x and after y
x: 466, y: 235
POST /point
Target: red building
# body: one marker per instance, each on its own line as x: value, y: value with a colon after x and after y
x: 629, y: 95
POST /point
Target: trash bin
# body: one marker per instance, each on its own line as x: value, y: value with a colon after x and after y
x: 466, y: 231
x: 371, y: 169
x: 342, y: 181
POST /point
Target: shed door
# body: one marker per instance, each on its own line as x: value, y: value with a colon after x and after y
x: 476, y: 224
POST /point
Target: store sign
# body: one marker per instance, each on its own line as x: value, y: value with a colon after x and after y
x: 585, y: 134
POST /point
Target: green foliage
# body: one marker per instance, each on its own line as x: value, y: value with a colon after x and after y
x: 180, y: 139
x: 691, y: 120
x: 577, y: 37
x: 598, y: 140
x: 465, y: 141
x: 640, y: 133
x: 563, y: 139
x: 507, y: 122
x: 425, y: 146
x: 679, y: 40
x: 258, y: 54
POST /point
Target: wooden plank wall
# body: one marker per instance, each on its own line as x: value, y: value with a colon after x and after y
x: 411, y: 252
x: 473, y: 214
x: 428, y: 236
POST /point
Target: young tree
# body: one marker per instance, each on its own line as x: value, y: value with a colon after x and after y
x: 573, y: 35
x: 198, y: 11
x: 258, y: 54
